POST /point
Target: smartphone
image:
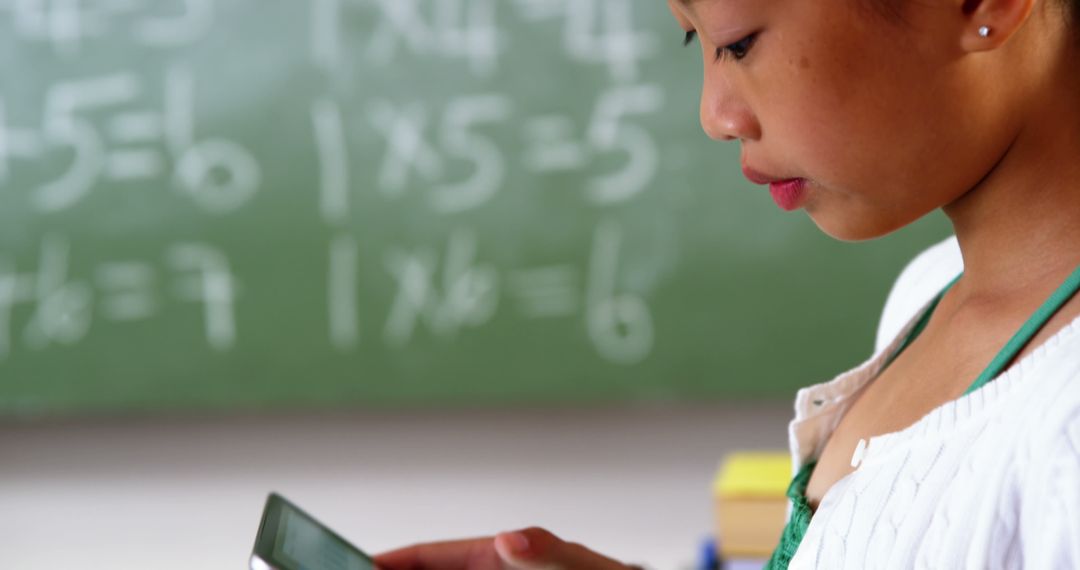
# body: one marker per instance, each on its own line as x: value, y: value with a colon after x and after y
x: 290, y: 539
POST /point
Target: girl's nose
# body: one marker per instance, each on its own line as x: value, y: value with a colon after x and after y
x: 724, y: 116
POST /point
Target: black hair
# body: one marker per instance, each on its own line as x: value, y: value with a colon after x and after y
x: 893, y: 10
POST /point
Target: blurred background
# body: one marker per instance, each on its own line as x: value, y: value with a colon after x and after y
x: 429, y: 268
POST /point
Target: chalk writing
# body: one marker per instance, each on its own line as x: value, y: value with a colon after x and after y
x: 445, y: 293
x: 128, y: 290
x: 457, y: 30
x: 68, y: 25
x: 619, y: 324
x: 546, y: 292
x: 342, y: 292
x: 210, y: 283
x: 132, y: 145
x: 311, y: 154
x: 468, y: 295
x: 63, y: 307
x: 598, y: 32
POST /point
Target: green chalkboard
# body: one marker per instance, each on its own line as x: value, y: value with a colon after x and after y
x: 268, y: 204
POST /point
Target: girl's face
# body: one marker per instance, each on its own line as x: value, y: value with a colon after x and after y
x: 885, y: 121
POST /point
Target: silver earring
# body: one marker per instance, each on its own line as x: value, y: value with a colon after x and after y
x: 984, y: 31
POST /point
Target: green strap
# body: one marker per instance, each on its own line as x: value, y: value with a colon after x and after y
x: 924, y: 319
x: 796, y: 526
x: 1027, y: 332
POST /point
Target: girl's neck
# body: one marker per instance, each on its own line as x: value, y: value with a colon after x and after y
x: 1020, y: 225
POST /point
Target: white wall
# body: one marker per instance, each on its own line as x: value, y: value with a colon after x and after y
x: 154, y: 494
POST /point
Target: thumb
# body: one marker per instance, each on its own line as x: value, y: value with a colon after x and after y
x: 537, y: 549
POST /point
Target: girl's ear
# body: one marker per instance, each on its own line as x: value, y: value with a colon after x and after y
x: 990, y: 23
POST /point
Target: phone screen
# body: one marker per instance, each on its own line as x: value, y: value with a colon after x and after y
x: 290, y: 539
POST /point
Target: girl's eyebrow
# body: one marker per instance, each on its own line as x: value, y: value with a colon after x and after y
x: 685, y: 3
x: 689, y: 6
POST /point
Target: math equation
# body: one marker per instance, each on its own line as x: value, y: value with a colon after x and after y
x: 375, y: 159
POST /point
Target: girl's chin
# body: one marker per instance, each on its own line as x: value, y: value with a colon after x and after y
x: 850, y: 227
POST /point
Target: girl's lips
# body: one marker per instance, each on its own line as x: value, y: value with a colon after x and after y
x: 788, y: 194
x: 757, y: 177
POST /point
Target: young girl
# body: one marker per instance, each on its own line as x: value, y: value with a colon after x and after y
x: 957, y: 445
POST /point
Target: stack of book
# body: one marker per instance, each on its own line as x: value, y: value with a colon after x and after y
x: 750, y: 495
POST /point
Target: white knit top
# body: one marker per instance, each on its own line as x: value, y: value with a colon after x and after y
x: 990, y: 480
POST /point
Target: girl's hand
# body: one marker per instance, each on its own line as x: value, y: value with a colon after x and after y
x: 528, y: 549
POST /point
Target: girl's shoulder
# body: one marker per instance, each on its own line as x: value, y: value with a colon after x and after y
x: 923, y: 278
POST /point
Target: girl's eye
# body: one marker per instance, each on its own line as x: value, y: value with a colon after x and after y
x: 737, y: 50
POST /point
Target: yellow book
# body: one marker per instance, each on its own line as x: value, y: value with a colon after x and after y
x: 754, y: 474
x: 750, y: 493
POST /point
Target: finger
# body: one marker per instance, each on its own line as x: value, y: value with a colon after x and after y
x: 538, y: 549
x: 449, y: 555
